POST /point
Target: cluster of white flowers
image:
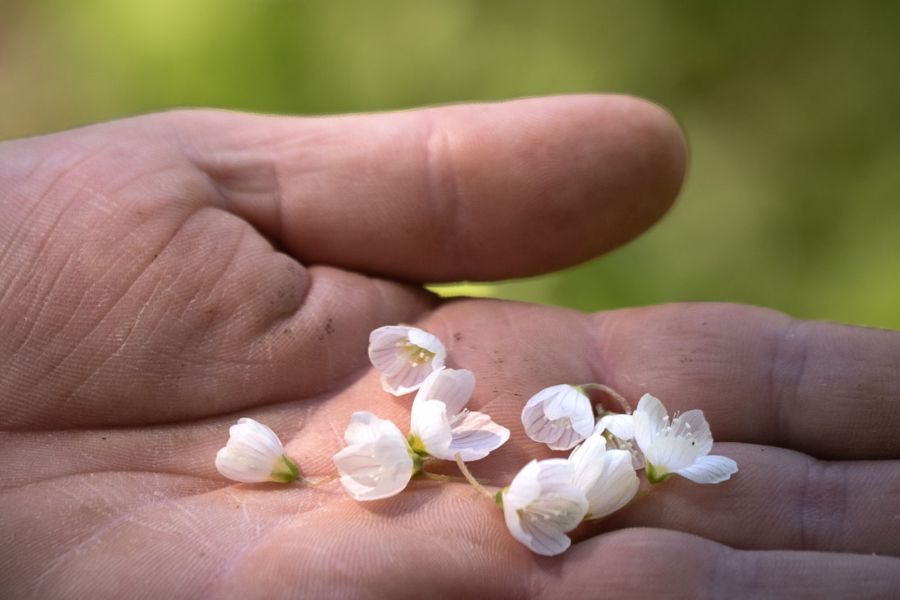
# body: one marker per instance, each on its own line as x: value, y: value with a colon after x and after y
x: 664, y: 446
x: 378, y: 461
x: 547, y: 498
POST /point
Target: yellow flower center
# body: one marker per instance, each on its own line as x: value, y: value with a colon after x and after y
x: 416, y: 355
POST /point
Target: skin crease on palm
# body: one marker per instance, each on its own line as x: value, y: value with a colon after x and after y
x: 164, y: 275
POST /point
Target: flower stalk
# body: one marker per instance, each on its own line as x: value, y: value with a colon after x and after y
x: 471, y: 479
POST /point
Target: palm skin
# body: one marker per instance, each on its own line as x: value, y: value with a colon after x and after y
x: 165, y: 275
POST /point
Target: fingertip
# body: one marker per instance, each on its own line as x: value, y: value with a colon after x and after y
x: 641, y: 158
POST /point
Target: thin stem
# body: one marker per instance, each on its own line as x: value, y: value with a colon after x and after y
x: 623, y: 403
x: 318, y: 482
x: 468, y: 475
x: 434, y: 476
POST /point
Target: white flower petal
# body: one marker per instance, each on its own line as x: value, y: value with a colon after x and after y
x: 379, y: 465
x: 621, y: 426
x: 637, y: 457
x: 560, y: 416
x: 542, y: 536
x: 405, y: 356
x: 587, y: 461
x: 693, y: 423
x: 541, y: 505
x: 252, y: 453
x: 606, y: 477
x: 616, y: 486
x: 680, y: 445
x: 670, y: 454
x: 649, y: 418
x: 710, y: 469
x: 524, y: 488
x: 429, y: 423
x: 364, y: 428
x: 475, y: 436
x: 574, y: 405
x: 453, y: 387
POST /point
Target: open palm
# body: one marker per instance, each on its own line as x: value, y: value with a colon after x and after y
x: 163, y: 276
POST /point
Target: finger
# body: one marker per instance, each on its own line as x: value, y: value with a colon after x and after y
x: 461, y: 192
x: 652, y: 563
x: 827, y: 390
x: 779, y: 499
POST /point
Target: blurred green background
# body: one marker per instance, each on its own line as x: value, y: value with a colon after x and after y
x: 793, y: 195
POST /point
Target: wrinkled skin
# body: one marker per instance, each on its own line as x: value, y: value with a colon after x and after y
x: 164, y: 275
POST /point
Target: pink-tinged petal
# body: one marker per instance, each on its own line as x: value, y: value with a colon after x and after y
x: 430, y: 424
x: 542, y: 537
x: 405, y: 356
x: 475, y: 436
x: 405, y: 381
x: 564, y: 508
x: 383, y: 343
x: 453, y: 387
x: 566, y: 439
x: 559, y: 416
x: 541, y: 505
x: 709, y: 469
x: 574, y: 405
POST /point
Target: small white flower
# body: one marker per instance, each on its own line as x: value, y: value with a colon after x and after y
x: 606, y: 477
x: 560, y: 416
x: 441, y: 427
x: 620, y: 425
x: 376, y: 462
x: 542, y: 504
x: 678, y: 446
x: 618, y: 429
x: 254, y: 454
x: 405, y: 356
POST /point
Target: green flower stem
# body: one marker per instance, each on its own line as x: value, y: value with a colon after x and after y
x: 654, y: 475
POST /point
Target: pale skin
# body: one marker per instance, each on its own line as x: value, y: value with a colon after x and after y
x: 164, y: 275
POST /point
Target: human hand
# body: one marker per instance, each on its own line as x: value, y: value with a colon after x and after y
x: 144, y: 309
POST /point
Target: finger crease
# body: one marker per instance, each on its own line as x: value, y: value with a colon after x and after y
x: 444, y: 189
x: 786, y: 368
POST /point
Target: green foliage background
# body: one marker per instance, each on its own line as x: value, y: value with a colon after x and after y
x: 792, y: 110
